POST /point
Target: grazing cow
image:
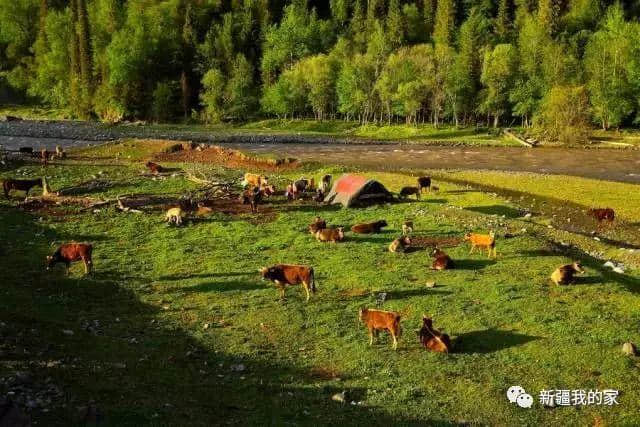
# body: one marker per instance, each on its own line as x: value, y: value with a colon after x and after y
x: 564, y: 274
x: 424, y: 182
x: 252, y: 197
x: 154, y: 168
x: 317, y: 225
x: 325, y: 185
x: 254, y: 180
x: 435, y: 188
x: 603, y: 214
x: 482, y: 241
x: 289, y: 275
x: 432, y: 339
x: 20, y: 184
x: 407, y: 191
x: 376, y: 320
x: 70, y: 252
x: 332, y: 235
x: 174, y: 215
x: 442, y: 261
x: 407, y: 228
x: 372, y: 227
x: 401, y: 244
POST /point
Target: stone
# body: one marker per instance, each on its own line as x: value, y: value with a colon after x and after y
x: 629, y: 349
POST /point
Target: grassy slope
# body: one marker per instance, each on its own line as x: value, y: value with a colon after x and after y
x: 512, y: 327
x: 622, y: 197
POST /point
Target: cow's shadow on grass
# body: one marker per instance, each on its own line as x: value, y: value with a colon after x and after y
x: 472, y: 264
x: 489, y: 341
x: 499, y: 210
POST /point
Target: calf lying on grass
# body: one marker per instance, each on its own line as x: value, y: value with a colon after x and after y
x: 372, y: 227
x: 20, y: 184
x: 442, y: 261
x: 154, y: 167
x: 482, y: 241
x: 289, y: 275
x: 432, y: 339
x: 70, y: 252
x: 564, y: 274
x: 603, y: 214
x: 401, y: 244
x: 330, y: 235
x: 376, y: 320
x: 407, y: 191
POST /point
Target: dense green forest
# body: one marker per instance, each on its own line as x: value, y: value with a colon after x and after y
x: 562, y: 65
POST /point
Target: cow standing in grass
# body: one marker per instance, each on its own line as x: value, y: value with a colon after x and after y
x: 376, y: 320
x: 71, y: 252
x: 284, y: 275
x: 20, y: 184
x: 482, y: 241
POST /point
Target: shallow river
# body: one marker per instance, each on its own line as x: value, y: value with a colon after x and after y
x: 610, y: 164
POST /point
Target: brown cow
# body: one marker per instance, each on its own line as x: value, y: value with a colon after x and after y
x: 407, y: 191
x: 432, y: 339
x: 44, y: 156
x: 71, y: 252
x: 20, y: 184
x: 372, y: 227
x: 154, y: 168
x: 376, y: 320
x: 442, y: 261
x: 254, y: 180
x: 482, y: 241
x: 316, y: 225
x: 330, y: 235
x: 603, y: 214
x: 424, y: 182
x: 289, y: 275
x: 564, y: 274
x: 252, y: 197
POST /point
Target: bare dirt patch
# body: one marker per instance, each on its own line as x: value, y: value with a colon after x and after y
x: 226, y: 157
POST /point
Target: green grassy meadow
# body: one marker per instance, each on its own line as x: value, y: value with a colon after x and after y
x: 180, y: 308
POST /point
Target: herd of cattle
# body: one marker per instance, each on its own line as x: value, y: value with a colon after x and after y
x: 257, y: 189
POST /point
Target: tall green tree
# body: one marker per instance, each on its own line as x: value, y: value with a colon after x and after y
x: 606, y: 56
x: 498, y: 77
x: 444, y: 25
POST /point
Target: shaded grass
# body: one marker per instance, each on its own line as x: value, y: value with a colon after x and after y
x: 509, y: 325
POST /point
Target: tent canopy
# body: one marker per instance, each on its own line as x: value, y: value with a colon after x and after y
x: 354, y: 190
